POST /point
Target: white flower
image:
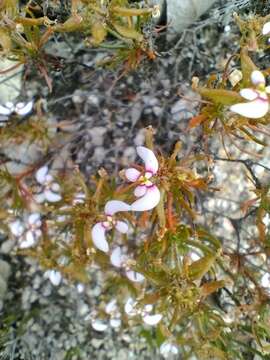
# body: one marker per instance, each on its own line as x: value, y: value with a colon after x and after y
x: 167, y: 349
x: 120, y: 259
x: 50, y: 188
x: 112, y: 310
x: 100, y: 228
x: 147, y: 192
x: 54, y: 276
x: 28, y: 232
x: 132, y: 309
x: 266, y: 29
x: 99, y: 325
x: 19, y: 109
x: 258, y: 104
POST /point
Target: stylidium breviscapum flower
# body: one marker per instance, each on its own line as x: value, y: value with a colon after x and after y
x: 120, y: 259
x: 27, y: 232
x: 110, y: 222
x: 147, y: 192
x: 258, y: 104
x: 49, y: 187
x: 20, y: 108
x: 132, y: 309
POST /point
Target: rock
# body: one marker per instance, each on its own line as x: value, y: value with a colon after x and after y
x: 5, y: 270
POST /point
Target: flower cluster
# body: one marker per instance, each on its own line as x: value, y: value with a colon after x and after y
x: 49, y: 189
x: 148, y: 196
x: 27, y: 232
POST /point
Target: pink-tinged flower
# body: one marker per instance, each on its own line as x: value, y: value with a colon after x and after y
x: 132, y: 309
x: 120, y: 259
x: 27, y: 232
x: 147, y: 192
x: 99, y: 229
x: 49, y: 188
x: 258, y: 104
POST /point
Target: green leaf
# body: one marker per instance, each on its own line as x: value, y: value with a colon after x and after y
x: 220, y: 96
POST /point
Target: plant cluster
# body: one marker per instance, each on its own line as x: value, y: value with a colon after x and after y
x: 163, y: 268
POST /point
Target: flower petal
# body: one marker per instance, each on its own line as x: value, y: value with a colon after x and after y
x: 98, y: 237
x: 140, y: 190
x: 33, y: 218
x: 41, y: 174
x: 148, y: 201
x: 253, y: 110
x: 149, y: 159
x: 52, y: 196
x: 55, y: 187
x: 114, y: 206
x: 167, y: 349
x: 111, y: 307
x: 23, y: 109
x: 5, y: 110
x: 115, y: 323
x: 99, y: 325
x: 266, y: 28
x: 40, y: 198
x: 30, y: 237
x: 248, y: 94
x: 257, y: 77
x: 130, y: 307
x: 55, y: 277
x: 117, y: 257
x: 134, y: 276
x: 132, y: 174
x: 152, y: 319
x: 121, y: 226
x: 16, y: 228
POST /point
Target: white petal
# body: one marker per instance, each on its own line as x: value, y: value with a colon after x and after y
x: 40, y: 198
x: 140, y: 190
x: 267, y: 89
x: 41, y: 174
x: 265, y: 280
x: 16, y: 228
x: 33, y: 218
x: 132, y: 174
x: 80, y: 288
x: 266, y: 28
x: 117, y: 257
x: 99, y: 325
x: 52, y: 196
x: 114, y: 206
x: 115, y: 323
x: 152, y: 319
x: 55, y: 277
x: 253, y: 110
x: 148, y: 308
x: 167, y: 349
x: 23, y: 109
x: 30, y: 238
x: 98, y: 237
x: 5, y: 110
x: 149, y: 159
x: 111, y: 307
x: 148, y: 201
x: 55, y: 187
x: 248, y: 94
x: 257, y: 77
x: 130, y: 307
x: 134, y: 276
x: 121, y: 226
